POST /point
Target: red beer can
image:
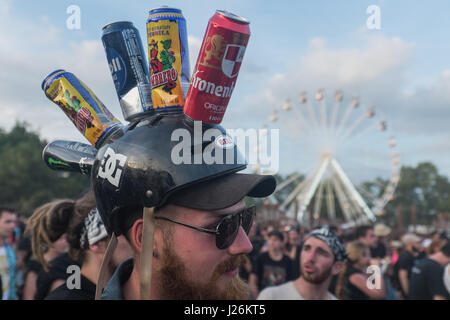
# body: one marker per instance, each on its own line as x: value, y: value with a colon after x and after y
x: 217, y: 67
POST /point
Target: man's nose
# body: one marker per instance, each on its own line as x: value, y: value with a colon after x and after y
x: 240, y: 245
x: 310, y: 256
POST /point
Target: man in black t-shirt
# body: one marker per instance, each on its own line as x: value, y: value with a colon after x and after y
x: 427, y: 279
x: 271, y: 268
x: 405, y: 262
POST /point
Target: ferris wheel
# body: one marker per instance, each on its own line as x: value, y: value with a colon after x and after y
x: 345, y: 157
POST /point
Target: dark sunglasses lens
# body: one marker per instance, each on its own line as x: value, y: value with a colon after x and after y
x: 228, y: 230
x: 247, y: 219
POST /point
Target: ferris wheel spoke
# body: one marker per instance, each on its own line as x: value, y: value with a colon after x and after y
x: 330, y: 200
x: 312, y: 114
x: 352, y: 128
x: 323, y: 112
x: 317, y: 176
x: 318, y: 200
x: 354, y: 193
x: 336, y: 107
x: 344, y: 119
x: 288, y: 181
x: 341, y: 198
x: 371, y: 127
x: 294, y: 194
x: 347, y: 196
x: 367, y: 193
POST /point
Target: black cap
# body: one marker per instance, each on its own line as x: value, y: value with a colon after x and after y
x: 224, y: 192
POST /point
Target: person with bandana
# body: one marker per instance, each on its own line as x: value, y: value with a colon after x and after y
x: 322, y: 257
x: 88, y: 238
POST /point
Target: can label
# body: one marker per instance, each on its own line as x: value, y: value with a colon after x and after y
x: 128, y: 67
x: 118, y: 68
x: 80, y: 104
x: 167, y: 54
x: 215, y: 73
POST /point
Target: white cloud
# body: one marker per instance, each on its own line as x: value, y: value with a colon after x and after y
x: 194, y: 49
x: 26, y: 61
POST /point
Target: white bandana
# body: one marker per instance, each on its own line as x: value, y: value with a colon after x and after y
x: 93, y: 230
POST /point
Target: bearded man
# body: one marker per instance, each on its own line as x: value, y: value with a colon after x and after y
x: 321, y: 258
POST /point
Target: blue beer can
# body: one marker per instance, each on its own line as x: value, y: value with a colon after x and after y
x: 129, y: 69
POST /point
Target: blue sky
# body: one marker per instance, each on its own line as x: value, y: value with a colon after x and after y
x: 403, y: 68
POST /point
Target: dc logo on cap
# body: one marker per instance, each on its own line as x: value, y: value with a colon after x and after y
x: 111, y: 166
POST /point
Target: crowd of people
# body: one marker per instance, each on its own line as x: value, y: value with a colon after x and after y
x: 285, y: 262
x: 39, y: 254
x: 378, y: 264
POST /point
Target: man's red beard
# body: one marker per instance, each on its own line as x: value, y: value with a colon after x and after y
x: 175, y: 285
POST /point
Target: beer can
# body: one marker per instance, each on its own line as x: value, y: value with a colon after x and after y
x: 217, y: 67
x: 128, y: 66
x: 168, y: 56
x: 81, y: 105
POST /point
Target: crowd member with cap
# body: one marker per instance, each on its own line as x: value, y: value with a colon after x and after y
x: 352, y: 281
x: 48, y: 226
x: 271, y: 268
x: 405, y: 263
x: 322, y: 256
x: 191, y: 260
x: 379, y: 251
x: 427, y: 279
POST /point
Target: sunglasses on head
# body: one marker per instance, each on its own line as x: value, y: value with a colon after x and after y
x: 227, y: 228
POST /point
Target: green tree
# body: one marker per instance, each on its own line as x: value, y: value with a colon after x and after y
x: 26, y: 182
x: 423, y: 189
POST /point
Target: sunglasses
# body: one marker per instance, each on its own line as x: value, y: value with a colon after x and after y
x: 227, y: 228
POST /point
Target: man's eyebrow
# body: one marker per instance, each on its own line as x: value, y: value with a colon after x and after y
x: 323, y: 250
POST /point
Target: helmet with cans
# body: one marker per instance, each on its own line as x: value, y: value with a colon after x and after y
x: 146, y: 165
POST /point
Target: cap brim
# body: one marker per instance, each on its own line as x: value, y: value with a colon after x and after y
x: 224, y: 192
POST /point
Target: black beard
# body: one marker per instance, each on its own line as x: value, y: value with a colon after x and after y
x: 318, y: 279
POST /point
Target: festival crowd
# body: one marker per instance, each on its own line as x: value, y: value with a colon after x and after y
x: 38, y: 256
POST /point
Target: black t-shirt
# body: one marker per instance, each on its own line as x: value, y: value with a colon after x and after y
x: 257, y: 245
x: 405, y: 262
x: 57, y: 270
x: 427, y: 280
x: 352, y: 292
x: 86, y: 291
x: 296, y: 262
x: 271, y: 272
x: 379, y: 251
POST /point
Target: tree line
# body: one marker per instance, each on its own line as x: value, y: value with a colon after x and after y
x: 26, y: 182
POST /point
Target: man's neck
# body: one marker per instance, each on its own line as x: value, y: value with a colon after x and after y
x: 131, y: 288
x: 50, y: 255
x: 311, y: 291
x: 276, y: 255
x: 91, y: 267
x: 2, y: 242
x: 440, y: 258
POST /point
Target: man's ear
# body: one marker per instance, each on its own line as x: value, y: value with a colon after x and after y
x: 98, y: 247
x: 337, y: 267
x: 136, y: 234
